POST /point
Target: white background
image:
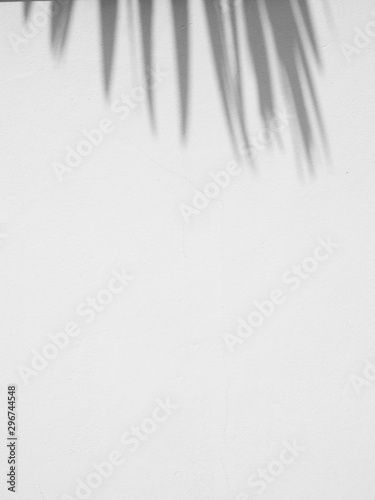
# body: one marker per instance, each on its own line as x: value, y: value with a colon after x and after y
x: 162, y: 337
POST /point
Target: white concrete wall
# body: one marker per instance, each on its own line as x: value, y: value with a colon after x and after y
x: 162, y: 337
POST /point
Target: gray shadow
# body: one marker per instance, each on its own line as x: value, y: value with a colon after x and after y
x: 286, y: 26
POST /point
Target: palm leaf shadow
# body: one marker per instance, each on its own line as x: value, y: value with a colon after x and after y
x: 109, y: 13
x: 285, y: 25
x: 60, y: 24
x: 181, y: 33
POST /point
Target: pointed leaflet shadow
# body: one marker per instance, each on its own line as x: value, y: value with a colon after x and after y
x: 146, y: 11
x: 181, y: 33
x: 109, y: 12
x: 292, y: 59
x: 60, y: 24
x: 285, y: 26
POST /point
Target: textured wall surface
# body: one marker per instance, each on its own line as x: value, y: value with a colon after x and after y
x: 173, y: 336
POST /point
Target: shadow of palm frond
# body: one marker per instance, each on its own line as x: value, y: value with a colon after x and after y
x: 269, y: 31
